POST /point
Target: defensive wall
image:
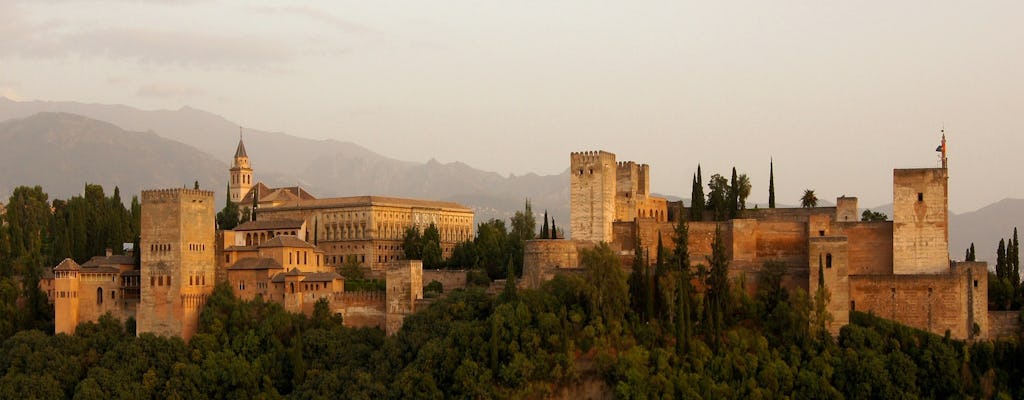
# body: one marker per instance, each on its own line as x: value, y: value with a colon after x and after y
x: 450, y: 279
x: 954, y: 301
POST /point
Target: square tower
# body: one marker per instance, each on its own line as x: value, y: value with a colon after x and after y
x: 178, y: 260
x: 592, y: 195
x: 920, y: 231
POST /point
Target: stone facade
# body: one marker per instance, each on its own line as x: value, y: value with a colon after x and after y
x: 177, y: 270
x: 896, y: 269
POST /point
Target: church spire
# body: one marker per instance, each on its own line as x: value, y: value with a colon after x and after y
x: 240, y: 151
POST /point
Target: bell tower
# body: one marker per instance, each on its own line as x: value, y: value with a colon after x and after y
x: 241, y: 173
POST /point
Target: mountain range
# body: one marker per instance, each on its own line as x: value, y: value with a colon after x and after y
x: 63, y: 145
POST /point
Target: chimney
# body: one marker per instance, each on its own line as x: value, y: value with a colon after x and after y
x: 109, y: 252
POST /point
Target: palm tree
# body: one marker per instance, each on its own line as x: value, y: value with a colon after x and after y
x: 742, y: 190
x: 809, y: 200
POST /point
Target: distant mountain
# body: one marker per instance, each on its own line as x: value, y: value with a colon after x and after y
x: 62, y: 152
x: 985, y: 227
x: 325, y: 167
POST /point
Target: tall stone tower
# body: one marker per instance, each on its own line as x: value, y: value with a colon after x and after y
x: 178, y: 260
x: 592, y: 195
x: 66, y: 287
x: 241, y: 174
x: 920, y: 229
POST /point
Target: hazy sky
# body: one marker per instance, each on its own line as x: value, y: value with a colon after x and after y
x: 839, y: 93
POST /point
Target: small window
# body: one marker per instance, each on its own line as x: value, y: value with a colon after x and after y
x: 821, y: 233
x: 828, y: 260
x: 853, y: 305
x: 920, y: 197
x: 975, y: 283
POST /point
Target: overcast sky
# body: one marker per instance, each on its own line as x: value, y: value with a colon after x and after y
x: 838, y: 93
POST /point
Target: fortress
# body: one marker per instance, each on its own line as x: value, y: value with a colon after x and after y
x: 288, y: 253
x: 897, y: 269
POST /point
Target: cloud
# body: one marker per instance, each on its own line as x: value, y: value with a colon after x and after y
x: 54, y: 39
x: 180, y: 48
x: 321, y: 16
x: 169, y: 90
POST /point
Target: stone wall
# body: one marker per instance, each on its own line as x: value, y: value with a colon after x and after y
x: 1003, y: 324
x: 870, y: 246
x: 952, y: 301
x: 404, y: 287
x: 828, y: 256
x: 543, y: 258
x: 450, y: 279
x: 920, y: 229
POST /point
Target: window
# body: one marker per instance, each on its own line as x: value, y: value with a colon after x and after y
x: 853, y: 305
x: 920, y: 196
x: 99, y: 295
x: 975, y: 283
x: 828, y: 260
x: 821, y: 233
x: 227, y: 258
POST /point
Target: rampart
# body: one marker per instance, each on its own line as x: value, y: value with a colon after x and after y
x: 361, y: 309
x: 449, y: 279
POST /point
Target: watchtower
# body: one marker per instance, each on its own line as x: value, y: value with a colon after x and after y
x: 592, y: 189
x: 241, y: 174
x: 178, y: 260
x: 66, y: 286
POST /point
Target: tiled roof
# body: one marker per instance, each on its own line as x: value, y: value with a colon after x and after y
x: 269, y: 225
x: 286, y: 241
x: 119, y: 259
x: 67, y: 264
x: 321, y: 277
x: 374, y: 200
x: 256, y: 263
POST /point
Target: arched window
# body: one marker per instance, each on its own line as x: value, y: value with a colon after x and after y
x: 828, y: 260
x: 99, y: 295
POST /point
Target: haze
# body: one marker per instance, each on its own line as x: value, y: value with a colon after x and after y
x: 837, y: 93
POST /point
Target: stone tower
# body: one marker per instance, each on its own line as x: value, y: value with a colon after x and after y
x: 592, y: 186
x: 241, y: 174
x: 178, y: 264
x: 920, y: 230
x: 66, y: 287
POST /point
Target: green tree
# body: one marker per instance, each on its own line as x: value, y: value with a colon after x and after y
x: 229, y: 216
x: 412, y: 243
x: 697, y: 197
x: 742, y: 191
x: 545, y: 232
x: 637, y: 282
x: 718, y: 287
x: 869, y: 215
x: 808, y: 200
x: 718, y: 197
x: 606, y: 284
x: 431, y: 248
x: 681, y: 254
x: 491, y: 245
x: 771, y: 184
x: 524, y: 227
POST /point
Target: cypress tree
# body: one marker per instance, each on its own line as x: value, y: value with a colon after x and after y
x: 771, y: 184
x: 1001, y: 259
x: 974, y: 256
x: 734, y: 195
x: 697, y: 197
x: 554, y: 229
x: 544, y: 232
x: 1015, y: 259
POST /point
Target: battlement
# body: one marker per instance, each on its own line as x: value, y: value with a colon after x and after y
x: 584, y: 157
x: 171, y: 194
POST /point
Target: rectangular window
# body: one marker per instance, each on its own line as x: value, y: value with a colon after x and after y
x: 920, y: 197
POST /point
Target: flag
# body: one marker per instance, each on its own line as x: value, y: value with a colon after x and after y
x: 938, y: 148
